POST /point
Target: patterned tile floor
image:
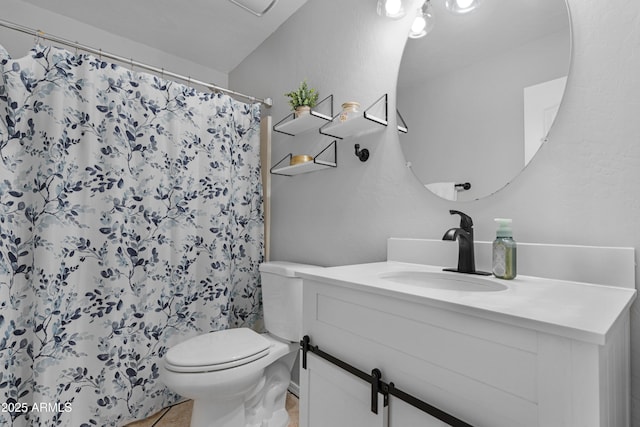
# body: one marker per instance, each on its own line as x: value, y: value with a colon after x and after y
x: 180, y: 415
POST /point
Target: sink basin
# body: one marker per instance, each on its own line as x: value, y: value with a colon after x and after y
x: 444, y: 281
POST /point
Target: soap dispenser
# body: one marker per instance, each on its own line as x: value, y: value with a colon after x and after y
x: 504, y: 250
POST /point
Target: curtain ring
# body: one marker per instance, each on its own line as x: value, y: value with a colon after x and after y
x: 162, y: 74
x: 76, y: 48
x: 100, y: 54
x: 38, y: 35
x: 131, y: 63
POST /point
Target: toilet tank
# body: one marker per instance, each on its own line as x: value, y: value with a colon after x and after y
x: 282, y: 298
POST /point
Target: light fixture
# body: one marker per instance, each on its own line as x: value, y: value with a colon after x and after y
x: 423, y: 23
x: 461, y: 6
x: 390, y: 8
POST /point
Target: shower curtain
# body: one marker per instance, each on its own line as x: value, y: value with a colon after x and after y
x: 130, y: 219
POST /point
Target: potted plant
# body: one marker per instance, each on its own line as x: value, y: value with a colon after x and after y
x: 303, y: 99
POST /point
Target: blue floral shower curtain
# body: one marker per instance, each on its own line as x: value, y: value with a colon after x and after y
x: 130, y: 219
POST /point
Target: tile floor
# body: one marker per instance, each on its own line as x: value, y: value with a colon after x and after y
x: 180, y: 415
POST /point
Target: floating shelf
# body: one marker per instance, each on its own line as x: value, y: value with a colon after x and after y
x: 311, y: 166
x: 307, y: 167
x: 358, y: 125
x: 293, y: 126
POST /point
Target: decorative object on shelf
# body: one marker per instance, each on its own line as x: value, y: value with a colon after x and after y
x: 300, y: 158
x: 319, y: 115
x: 391, y: 9
x: 349, y: 110
x: 363, y: 154
x: 317, y: 163
x: 302, y: 110
x: 372, y: 119
x: 303, y: 99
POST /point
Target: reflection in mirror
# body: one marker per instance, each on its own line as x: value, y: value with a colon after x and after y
x: 480, y: 92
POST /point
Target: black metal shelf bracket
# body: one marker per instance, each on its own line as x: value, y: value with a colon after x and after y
x: 379, y: 120
x: 317, y: 159
x: 366, y: 114
x: 379, y: 386
x: 402, y: 125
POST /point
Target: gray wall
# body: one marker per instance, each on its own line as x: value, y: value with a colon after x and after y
x: 579, y: 189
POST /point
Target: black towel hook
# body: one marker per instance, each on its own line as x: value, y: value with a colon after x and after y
x: 363, y: 154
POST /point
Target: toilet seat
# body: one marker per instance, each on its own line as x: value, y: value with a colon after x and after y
x: 216, y: 351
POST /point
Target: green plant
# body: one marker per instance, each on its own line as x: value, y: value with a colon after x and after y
x: 303, y: 96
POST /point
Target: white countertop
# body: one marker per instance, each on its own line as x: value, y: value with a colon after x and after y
x: 581, y: 311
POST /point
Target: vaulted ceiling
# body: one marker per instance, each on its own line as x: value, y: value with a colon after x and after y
x: 214, y: 33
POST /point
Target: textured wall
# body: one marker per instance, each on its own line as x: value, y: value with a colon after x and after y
x: 579, y: 189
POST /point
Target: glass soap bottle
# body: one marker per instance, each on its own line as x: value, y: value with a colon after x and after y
x: 504, y: 250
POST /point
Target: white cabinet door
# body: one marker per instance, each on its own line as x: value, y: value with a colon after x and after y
x: 332, y: 397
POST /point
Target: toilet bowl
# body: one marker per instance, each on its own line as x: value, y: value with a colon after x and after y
x: 238, y: 377
x: 237, y: 391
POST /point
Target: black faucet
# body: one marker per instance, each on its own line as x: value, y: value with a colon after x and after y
x: 464, y: 236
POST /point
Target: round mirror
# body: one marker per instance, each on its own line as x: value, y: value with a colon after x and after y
x: 479, y: 92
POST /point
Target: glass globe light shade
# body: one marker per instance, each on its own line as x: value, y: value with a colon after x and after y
x: 461, y: 6
x: 390, y: 8
x: 423, y: 24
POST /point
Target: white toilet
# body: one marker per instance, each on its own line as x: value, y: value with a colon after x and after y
x: 238, y: 377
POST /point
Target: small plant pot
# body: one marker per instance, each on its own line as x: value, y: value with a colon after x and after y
x: 302, y: 110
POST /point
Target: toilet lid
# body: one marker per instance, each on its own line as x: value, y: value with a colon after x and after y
x: 217, y: 350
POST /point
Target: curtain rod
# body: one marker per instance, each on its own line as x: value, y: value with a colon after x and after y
x: 268, y: 102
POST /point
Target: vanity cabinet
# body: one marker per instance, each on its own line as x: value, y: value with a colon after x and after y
x: 487, y: 368
x: 336, y: 398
